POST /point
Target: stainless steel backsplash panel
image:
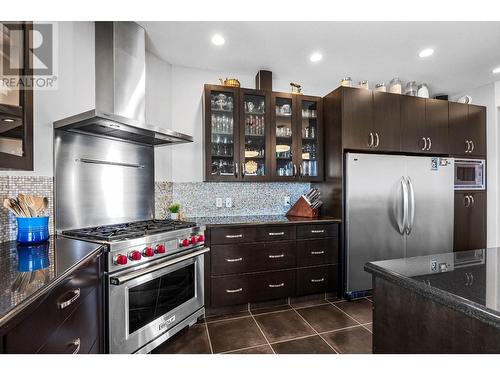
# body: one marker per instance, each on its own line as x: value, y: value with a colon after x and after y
x: 101, y: 181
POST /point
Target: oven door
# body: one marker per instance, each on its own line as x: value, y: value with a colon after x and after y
x: 146, y: 303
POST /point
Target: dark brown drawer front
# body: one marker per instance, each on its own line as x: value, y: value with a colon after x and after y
x: 259, y: 256
x: 276, y: 233
x: 317, y: 230
x: 316, y: 280
x: 232, y: 290
x: 78, y: 333
x: 49, y: 315
x: 317, y: 252
x: 232, y: 235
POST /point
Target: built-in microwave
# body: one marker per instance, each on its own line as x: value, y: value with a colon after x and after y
x: 469, y: 174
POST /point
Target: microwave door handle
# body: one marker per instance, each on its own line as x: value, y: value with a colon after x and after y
x: 404, y: 189
x: 411, y: 216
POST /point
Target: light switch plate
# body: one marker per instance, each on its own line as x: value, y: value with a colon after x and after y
x: 229, y: 202
x: 218, y: 202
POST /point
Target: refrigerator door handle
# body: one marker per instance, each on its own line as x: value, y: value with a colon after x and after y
x: 402, y: 226
x: 411, y: 214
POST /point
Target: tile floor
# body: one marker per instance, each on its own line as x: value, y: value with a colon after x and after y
x: 314, y: 327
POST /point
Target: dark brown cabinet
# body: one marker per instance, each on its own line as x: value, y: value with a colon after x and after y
x: 357, y: 119
x: 467, y: 130
x: 387, y: 121
x: 470, y: 220
x: 436, y: 126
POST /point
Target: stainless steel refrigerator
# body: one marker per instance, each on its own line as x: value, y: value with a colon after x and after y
x: 396, y: 207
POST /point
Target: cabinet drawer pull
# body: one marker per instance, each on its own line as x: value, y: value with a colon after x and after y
x: 272, y: 256
x: 277, y: 285
x: 76, y: 295
x: 234, y: 290
x: 318, y: 280
x: 77, y: 344
x: 234, y: 236
x: 318, y: 252
x: 317, y: 231
x: 276, y: 233
x: 232, y: 260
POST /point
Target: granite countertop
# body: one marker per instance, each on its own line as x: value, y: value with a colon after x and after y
x: 466, y: 281
x: 26, y: 272
x: 258, y: 219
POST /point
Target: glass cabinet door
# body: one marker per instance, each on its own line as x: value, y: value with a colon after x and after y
x: 284, y: 157
x: 310, y: 148
x: 254, y: 134
x: 222, y: 127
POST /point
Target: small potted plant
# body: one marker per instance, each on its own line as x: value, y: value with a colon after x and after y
x: 174, y: 210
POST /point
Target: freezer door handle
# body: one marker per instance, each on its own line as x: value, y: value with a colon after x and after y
x: 411, y: 214
x: 402, y: 226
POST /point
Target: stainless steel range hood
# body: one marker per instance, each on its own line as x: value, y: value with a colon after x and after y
x: 120, y: 84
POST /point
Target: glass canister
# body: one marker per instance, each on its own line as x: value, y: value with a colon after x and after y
x: 380, y: 87
x: 411, y: 88
x: 346, y: 82
x: 364, y: 85
x: 395, y: 86
x: 423, y: 91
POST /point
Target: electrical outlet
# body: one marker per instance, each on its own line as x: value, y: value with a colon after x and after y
x: 218, y: 202
x: 287, y: 201
x: 229, y: 202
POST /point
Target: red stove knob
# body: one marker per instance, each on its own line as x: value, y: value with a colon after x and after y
x: 185, y: 242
x: 201, y: 238
x: 121, y: 259
x: 160, y: 249
x: 148, y: 252
x: 135, y: 255
x: 194, y: 240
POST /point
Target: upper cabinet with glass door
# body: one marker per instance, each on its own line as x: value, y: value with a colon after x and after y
x: 221, y: 133
x: 310, y: 145
x: 254, y: 135
x: 284, y: 145
x: 16, y: 103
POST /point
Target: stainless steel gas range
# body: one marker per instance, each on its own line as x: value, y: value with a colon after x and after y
x: 154, y: 280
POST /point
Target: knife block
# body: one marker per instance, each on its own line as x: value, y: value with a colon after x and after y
x: 302, y: 209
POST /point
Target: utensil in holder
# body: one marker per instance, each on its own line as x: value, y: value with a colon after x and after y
x: 32, y: 229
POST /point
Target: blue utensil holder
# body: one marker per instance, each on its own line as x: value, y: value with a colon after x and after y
x: 32, y: 229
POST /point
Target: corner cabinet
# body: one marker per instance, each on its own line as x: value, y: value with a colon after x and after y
x: 467, y: 130
x: 257, y: 135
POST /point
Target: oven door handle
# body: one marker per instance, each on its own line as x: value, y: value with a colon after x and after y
x: 117, y: 280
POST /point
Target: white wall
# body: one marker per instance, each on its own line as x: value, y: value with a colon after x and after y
x: 75, y: 92
x: 489, y: 96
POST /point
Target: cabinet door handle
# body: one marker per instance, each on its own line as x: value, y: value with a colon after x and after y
x: 64, y: 304
x: 294, y: 170
x: 318, y: 252
x: 276, y: 233
x: 467, y: 146
x: 471, y: 279
x: 468, y: 279
x: 467, y: 201
x: 77, y: 344
x: 233, y: 260
x: 425, y: 144
x: 430, y: 144
x: 370, y: 140
x: 472, y: 146
x: 318, y: 280
x: 377, y: 140
x: 242, y: 170
x: 300, y: 170
x: 317, y: 231
x: 236, y: 170
x: 274, y: 256
x: 234, y: 290
x: 471, y: 200
x: 280, y: 285
x: 234, y: 235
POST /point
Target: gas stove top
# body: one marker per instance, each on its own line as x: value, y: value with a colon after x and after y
x: 125, y: 231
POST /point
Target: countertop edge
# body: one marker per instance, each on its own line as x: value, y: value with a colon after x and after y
x: 45, y: 289
x: 304, y: 220
x: 447, y: 299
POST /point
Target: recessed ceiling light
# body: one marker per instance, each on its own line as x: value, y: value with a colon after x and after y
x: 496, y: 70
x: 8, y: 120
x: 315, y: 57
x: 426, y: 52
x: 218, y: 40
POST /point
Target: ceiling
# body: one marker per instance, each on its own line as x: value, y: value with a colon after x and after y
x: 465, y: 52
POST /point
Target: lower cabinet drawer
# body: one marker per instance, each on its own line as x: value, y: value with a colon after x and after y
x: 317, y: 230
x: 317, y: 252
x: 260, y: 256
x: 78, y: 333
x: 232, y: 290
x: 276, y: 233
x: 316, y: 280
x: 232, y: 235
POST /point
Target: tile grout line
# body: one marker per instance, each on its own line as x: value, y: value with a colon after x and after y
x: 261, y: 331
x: 245, y: 348
x: 322, y: 338
x: 209, y: 340
x: 357, y: 321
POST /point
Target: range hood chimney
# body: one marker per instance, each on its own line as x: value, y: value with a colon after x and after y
x: 120, y: 84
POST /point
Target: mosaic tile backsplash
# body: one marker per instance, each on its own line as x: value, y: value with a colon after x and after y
x: 10, y: 186
x: 198, y: 198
